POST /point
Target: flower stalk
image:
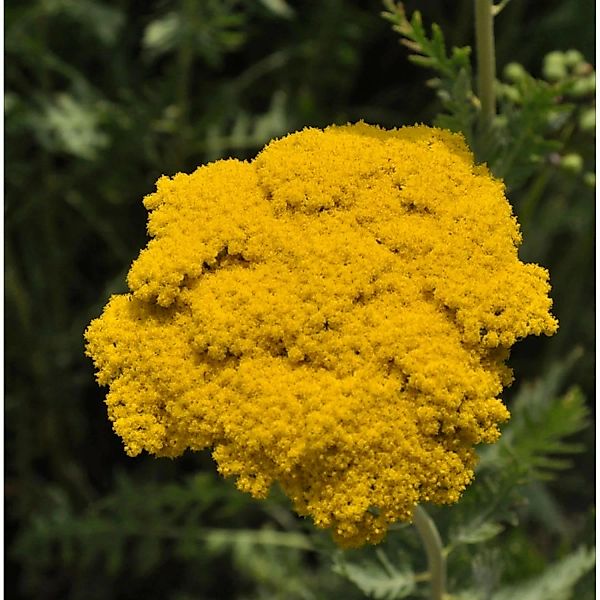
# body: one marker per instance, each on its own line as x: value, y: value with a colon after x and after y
x: 436, y: 558
x: 486, y: 61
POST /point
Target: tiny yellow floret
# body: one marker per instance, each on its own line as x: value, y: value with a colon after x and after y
x: 334, y: 316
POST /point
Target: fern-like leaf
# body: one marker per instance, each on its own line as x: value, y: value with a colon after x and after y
x: 556, y: 582
x: 378, y: 579
x: 454, y: 82
x: 538, y: 439
x: 521, y: 139
x: 534, y: 446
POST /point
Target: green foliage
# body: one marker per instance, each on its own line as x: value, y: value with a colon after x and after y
x: 429, y: 52
x: 120, y: 535
x: 61, y: 535
x: 539, y: 116
x: 477, y: 529
x: 535, y: 115
x: 248, y: 131
x: 65, y: 124
x: 104, y: 97
x: 541, y: 429
x: 530, y: 450
x: 380, y: 578
x: 454, y: 84
x: 519, y: 142
x: 209, y: 29
x: 556, y: 582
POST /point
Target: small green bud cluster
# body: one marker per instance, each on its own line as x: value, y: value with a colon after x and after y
x: 570, y: 66
x: 572, y: 81
x: 572, y: 163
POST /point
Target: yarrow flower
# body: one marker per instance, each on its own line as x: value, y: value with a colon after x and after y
x: 333, y: 316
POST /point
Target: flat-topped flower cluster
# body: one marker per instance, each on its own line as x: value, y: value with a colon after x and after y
x: 333, y: 316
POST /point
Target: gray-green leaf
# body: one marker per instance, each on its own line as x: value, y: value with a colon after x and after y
x: 378, y: 579
x: 556, y: 582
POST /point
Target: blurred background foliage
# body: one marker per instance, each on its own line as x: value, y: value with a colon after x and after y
x: 104, y: 97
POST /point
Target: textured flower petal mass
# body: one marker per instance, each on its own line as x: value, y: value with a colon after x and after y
x: 333, y: 316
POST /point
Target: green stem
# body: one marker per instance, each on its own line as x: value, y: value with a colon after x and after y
x: 498, y: 8
x: 486, y: 60
x: 436, y: 558
x: 185, y: 61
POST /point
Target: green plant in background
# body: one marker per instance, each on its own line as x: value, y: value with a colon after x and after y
x: 190, y: 82
x: 536, y: 116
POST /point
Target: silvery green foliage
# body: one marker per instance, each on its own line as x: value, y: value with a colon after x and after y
x: 556, y: 582
x: 380, y: 578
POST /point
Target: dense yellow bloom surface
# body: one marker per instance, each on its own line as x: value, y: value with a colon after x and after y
x: 333, y: 316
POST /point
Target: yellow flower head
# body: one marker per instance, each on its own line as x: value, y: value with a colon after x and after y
x: 333, y: 316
